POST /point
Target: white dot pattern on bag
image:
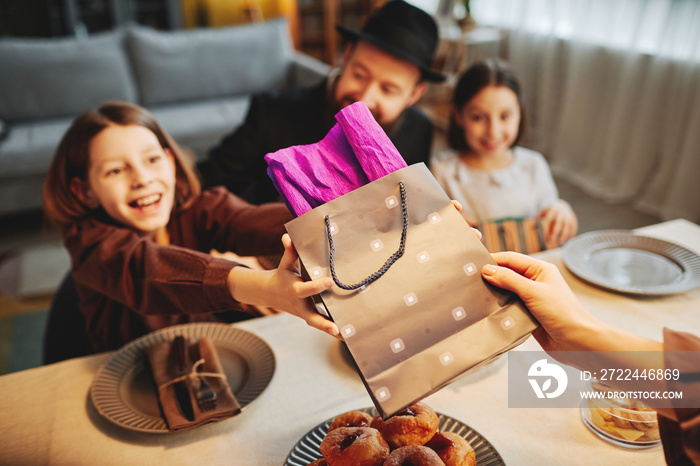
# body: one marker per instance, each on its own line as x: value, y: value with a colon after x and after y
x: 397, y: 345
x: 316, y: 272
x: 382, y: 394
x: 410, y: 299
x: 334, y: 228
x: 391, y: 202
x: 348, y: 331
x: 507, y: 323
x: 446, y: 358
x: 470, y: 269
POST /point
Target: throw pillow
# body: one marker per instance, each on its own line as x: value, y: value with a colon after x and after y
x: 45, y: 78
x: 208, y: 63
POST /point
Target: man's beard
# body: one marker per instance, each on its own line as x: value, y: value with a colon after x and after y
x: 388, y: 128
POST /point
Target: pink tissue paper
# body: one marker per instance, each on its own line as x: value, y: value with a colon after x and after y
x: 356, y: 151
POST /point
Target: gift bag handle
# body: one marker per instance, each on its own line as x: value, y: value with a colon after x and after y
x: 389, y: 262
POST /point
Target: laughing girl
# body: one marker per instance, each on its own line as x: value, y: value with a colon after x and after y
x: 138, y: 231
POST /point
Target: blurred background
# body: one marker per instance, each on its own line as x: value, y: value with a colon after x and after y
x: 612, y: 90
x: 611, y: 85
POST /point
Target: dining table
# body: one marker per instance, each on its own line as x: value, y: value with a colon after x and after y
x: 48, y: 416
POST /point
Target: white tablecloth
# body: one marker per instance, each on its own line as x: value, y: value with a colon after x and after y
x: 47, y: 416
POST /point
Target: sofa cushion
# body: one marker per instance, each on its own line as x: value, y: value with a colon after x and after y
x: 199, y: 125
x: 208, y: 63
x: 29, y: 146
x: 20, y: 194
x: 44, y: 78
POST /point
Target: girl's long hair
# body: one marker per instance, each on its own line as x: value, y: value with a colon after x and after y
x: 490, y: 72
x: 72, y: 160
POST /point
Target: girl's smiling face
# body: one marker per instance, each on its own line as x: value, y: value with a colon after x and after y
x: 131, y: 177
x: 490, y: 120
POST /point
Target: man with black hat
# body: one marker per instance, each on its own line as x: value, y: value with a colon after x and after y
x: 385, y: 64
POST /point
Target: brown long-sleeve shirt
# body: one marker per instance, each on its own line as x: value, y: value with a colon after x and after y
x: 129, y: 285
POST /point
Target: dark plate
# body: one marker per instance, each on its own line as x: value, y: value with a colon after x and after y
x: 123, y: 390
x: 307, y: 449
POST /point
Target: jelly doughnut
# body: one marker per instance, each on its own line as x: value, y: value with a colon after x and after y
x: 453, y: 449
x: 351, y: 419
x: 414, y: 425
x: 413, y: 455
x: 319, y: 462
x: 354, y: 446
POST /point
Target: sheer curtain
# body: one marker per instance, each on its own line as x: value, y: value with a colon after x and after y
x: 613, y: 94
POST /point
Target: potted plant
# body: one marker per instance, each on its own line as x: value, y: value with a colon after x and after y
x: 463, y: 15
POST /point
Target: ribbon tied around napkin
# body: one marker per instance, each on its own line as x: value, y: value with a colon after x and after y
x: 166, y: 375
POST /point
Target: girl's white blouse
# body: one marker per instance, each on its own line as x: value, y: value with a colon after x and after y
x: 522, y: 189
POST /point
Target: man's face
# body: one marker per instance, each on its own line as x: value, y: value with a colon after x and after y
x: 385, y: 83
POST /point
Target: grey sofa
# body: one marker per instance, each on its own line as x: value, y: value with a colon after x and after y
x: 195, y: 82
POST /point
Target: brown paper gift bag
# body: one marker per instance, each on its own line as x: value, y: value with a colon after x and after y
x: 420, y: 315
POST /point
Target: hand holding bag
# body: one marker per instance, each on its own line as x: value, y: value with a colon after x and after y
x: 409, y: 299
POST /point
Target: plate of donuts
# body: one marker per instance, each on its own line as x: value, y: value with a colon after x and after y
x: 416, y: 435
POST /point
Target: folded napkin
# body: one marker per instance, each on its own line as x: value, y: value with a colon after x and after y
x: 355, y: 151
x: 202, y: 359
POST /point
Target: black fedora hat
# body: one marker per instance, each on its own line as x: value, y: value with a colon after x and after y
x: 402, y: 30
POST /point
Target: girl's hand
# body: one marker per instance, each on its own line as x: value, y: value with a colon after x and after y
x: 282, y: 289
x: 296, y: 293
x: 559, y: 222
x: 471, y: 222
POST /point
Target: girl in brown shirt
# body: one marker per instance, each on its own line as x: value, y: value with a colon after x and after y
x: 138, y: 231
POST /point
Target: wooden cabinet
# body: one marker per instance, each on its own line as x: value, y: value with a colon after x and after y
x: 317, y: 20
x: 82, y: 17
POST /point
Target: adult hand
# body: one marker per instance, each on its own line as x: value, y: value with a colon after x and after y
x: 542, y: 288
x: 565, y: 324
x: 560, y: 223
x: 579, y: 338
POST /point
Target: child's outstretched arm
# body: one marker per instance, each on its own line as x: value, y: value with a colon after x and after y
x: 282, y: 289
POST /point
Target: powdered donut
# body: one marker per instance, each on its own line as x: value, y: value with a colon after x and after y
x: 354, y: 446
x: 351, y: 419
x: 414, y: 425
x: 413, y: 455
x: 453, y: 449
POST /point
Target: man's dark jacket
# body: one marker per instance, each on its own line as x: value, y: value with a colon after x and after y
x: 290, y: 118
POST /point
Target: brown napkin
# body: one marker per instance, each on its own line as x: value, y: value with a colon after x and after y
x: 164, y: 369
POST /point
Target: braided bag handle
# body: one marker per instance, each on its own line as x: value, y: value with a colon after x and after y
x: 389, y: 262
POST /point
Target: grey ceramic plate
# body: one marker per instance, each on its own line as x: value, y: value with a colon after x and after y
x: 123, y: 390
x: 622, y: 261
x: 307, y: 449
